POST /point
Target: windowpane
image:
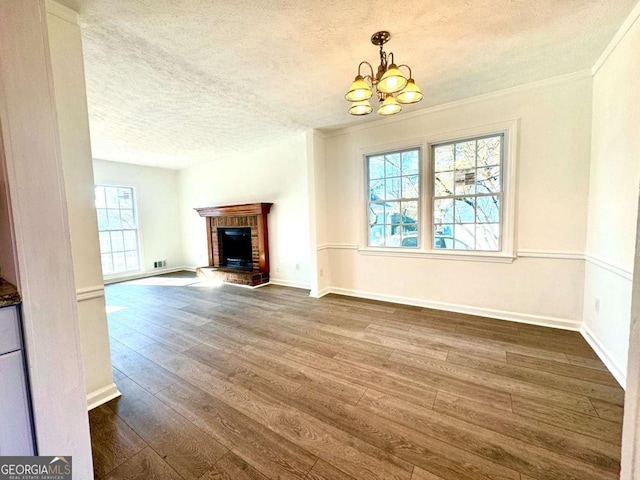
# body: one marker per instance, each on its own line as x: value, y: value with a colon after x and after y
x: 103, y: 221
x: 112, y: 197
x: 410, y: 163
x: 131, y: 259
x: 394, y: 192
x: 465, y: 210
x: 487, y: 236
x: 465, y: 155
x: 488, y: 210
x: 126, y: 217
x: 117, y: 241
x: 376, y: 213
x: 124, y: 196
x: 465, y: 180
x: 100, y: 201
x: 119, y: 262
x: 105, y: 241
x: 393, y: 188
x: 409, y: 237
x: 467, y: 190
x: 410, y: 214
x: 443, y: 236
x: 376, y: 190
x: 489, y: 151
x: 464, y: 237
x: 107, y: 264
x: 443, y: 158
x: 130, y: 240
x: 376, y: 236
x: 392, y: 165
x: 444, y: 184
x: 410, y: 186
x: 488, y: 180
x: 115, y: 222
x: 443, y: 211
x: 376, y: 167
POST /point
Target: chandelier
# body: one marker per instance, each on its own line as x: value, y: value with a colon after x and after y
x: 390, y: 85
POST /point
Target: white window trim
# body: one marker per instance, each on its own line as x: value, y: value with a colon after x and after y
x: 142, y: 269
x: 510, y: 129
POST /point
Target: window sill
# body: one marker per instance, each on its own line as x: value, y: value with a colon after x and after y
x: 460, y: 256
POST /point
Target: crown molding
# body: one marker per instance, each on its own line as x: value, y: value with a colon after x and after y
x: 62, y: 12
x: 617, y: 38
x: 558, y: 80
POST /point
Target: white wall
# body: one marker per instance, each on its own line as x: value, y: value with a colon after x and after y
x: 157, y: 199
x: 544, y: 284
x: 8, y: 266
x: 277, y: 174
x: 43, y: 247
x: 319, y: 265
x: 615, y: 177
x: 73, y: 122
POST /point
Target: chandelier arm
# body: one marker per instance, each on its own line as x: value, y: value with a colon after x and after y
x: 408, y: 68
x: 368, y: 64
x: 390, y: 56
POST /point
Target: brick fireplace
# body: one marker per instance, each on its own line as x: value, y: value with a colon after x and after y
x: 238, y: 243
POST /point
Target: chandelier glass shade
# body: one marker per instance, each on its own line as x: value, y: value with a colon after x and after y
x: 389, y: 84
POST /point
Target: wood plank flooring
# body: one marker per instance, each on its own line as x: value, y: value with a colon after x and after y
x: 232, y: 383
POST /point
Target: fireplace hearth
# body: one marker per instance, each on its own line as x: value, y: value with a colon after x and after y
x: 238, y: 243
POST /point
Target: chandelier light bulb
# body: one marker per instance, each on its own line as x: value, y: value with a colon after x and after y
x: 392, y: 81
x: 390, y: 106
x: 361, y: 108
x: 410, y: 94
x: 359, y: 90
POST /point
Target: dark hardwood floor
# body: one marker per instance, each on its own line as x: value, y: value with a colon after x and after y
x: 232, y: 383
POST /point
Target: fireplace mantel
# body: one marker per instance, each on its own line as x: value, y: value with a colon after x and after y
x: 249, y: 215
x: 234, y: 210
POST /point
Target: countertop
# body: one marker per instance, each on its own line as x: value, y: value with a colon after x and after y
x: 8, y: 294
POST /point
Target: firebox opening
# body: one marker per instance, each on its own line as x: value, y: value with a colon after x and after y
x: 235, y: 248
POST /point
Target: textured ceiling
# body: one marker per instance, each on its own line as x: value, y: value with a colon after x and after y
x: 172, y: 83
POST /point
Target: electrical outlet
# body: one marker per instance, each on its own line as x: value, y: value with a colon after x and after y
x: 597, y: 305
x: 321, y: 272
x: 297, y: 266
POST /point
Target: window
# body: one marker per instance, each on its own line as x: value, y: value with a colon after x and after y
x: 393, y: 180
x: 447, y: 196
x: 118, y: 229
x: 467, y: 194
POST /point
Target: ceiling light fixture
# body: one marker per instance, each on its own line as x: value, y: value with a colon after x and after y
x: 391, y: 86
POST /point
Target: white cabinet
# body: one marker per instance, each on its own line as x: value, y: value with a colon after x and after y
x: 16, y: 432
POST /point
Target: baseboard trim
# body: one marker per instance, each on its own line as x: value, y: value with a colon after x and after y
x: 604, y: 355
x: 320, y: 293
x: 543, y: 321
x: 102, y: 395
x: 290, y: 283
x: 160, y: 271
